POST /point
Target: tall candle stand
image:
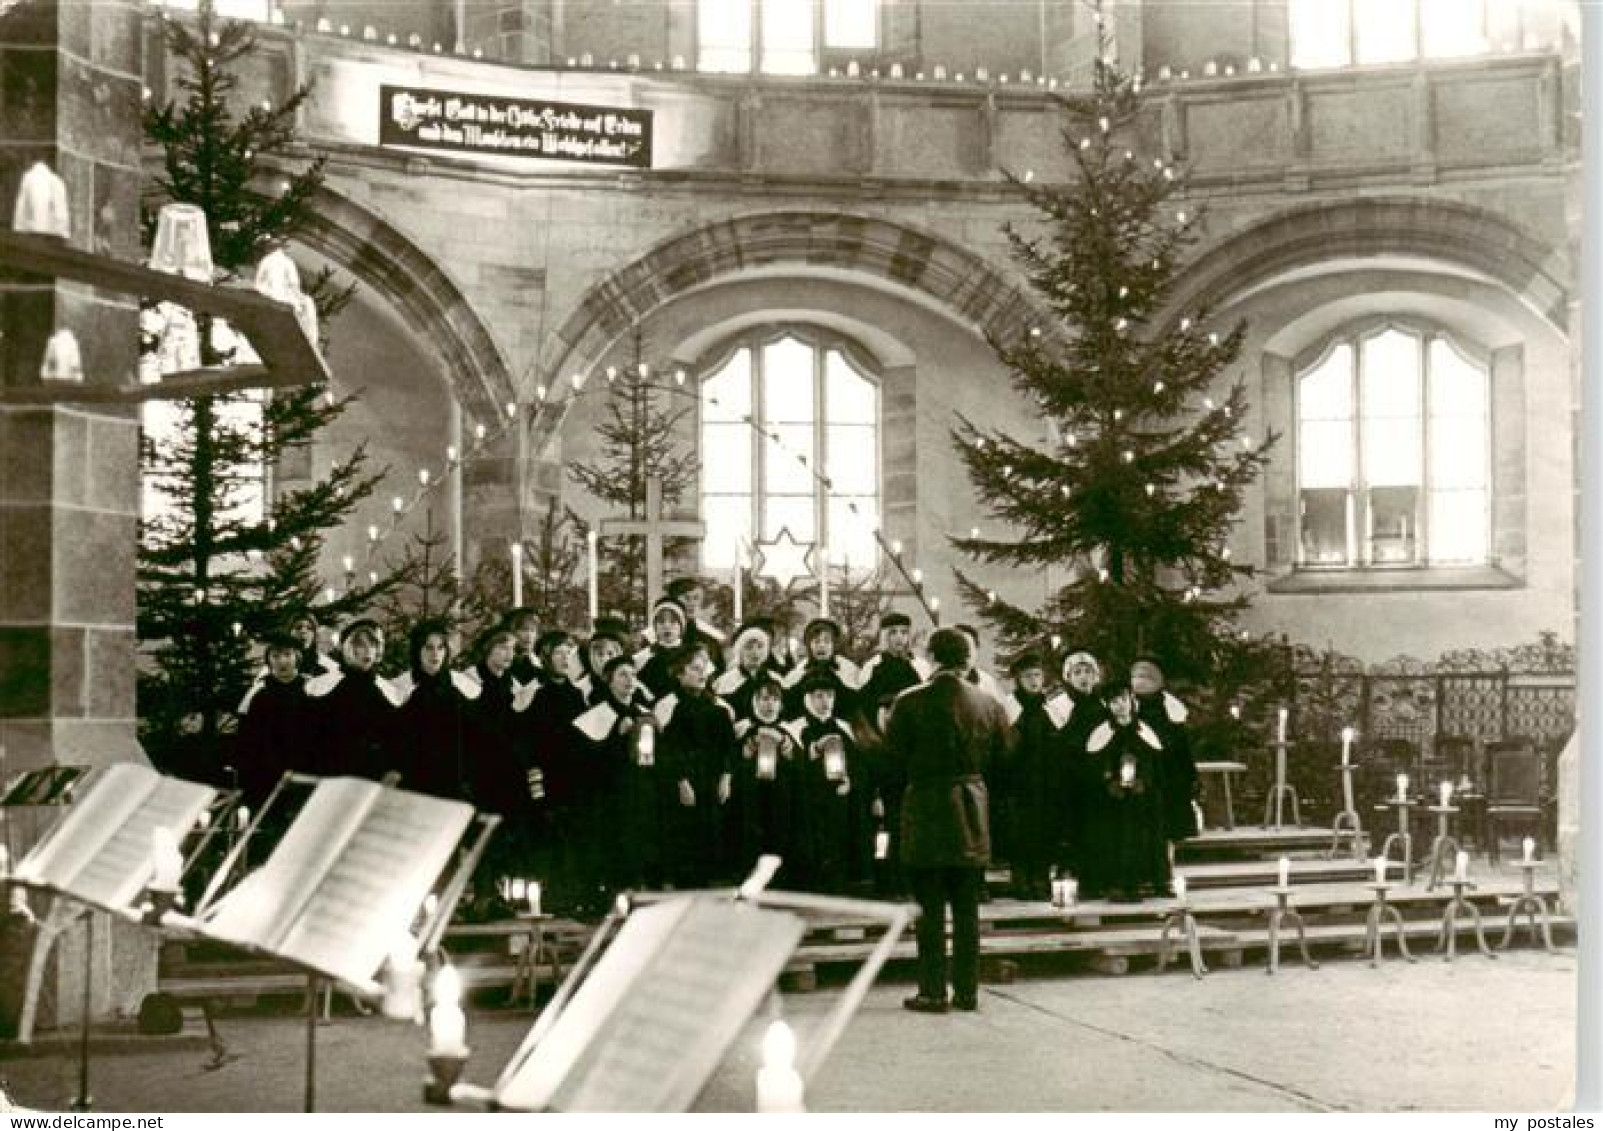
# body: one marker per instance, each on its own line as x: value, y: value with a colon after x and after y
x: 1444, y: 849
x: 1448, y: 940
x: 1534, y: 906
x: 1379, y: 909
x: 1284, y: 911
x: 1179, y: 918
x: 1274, y: 804
x: 1402, y: 837
x: 1347, y: 822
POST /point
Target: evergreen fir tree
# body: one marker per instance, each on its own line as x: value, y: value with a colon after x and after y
x: 219, y: 563
x: 639, y: 440
x: 1142, y: 479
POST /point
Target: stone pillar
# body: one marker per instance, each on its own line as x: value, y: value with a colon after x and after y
x: 70, y: 95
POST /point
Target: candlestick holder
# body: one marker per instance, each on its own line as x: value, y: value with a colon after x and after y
x: 1379, y: 910
x: 1179, y: 918
x: 158, y: 901
x: 1448, y: 939
x: 1444, y: 849
x: 1274, y: 804
x: 445, y: 1069
x: 1347, y: 822
x: 526, y: 977
x: 1535, y: 907
x: 1282, y: 911
x: 1403, y: 838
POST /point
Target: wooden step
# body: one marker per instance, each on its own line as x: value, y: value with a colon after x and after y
x: 1253, y: 840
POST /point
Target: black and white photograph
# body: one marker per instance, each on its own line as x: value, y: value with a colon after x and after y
x: 785, y: 556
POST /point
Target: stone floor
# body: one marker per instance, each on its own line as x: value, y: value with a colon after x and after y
x: 1473, y: 1035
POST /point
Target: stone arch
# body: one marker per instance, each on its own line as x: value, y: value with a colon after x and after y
x: 392, y: 266
x: 1415, y: 226
x: 953, y: 279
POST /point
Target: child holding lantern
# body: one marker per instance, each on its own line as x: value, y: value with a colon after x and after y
x: 1127, y: 853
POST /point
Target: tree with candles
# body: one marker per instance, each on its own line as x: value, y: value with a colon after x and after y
x: 640, y: 439
x: 1141, y: 480
x: 221, y: 555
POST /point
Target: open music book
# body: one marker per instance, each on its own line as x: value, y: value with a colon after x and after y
x: 344, y: 885
x: 658, y: 1013
x: 99, y: 853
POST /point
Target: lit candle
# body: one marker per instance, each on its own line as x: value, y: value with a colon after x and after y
x: 1380, y: 869
x: 167, y: 864
x: 1529, y: 845
x: 1402, y: 787
x: 882, y: 845
x: 1346, y: 745
x: 779, y: 1085
x: 447, y: 1025
x: 516, y: 889
x: 1461, y: 867
x: 242, y: 817
x: 534, y: 897
x: 1285, y: 872
x: 591, y: 540
x: 403, y: 990
x: 1282, y: 735
x: 1447, y: 794
x: 646, y: 745
x: 517, y: 574
x: 1126, y: 772
x: 1180, y: 888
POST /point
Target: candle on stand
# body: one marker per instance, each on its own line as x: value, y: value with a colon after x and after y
x: 447, y: 1024
x: 242, y: 817
x: 1282, y: 734
x: 1126, y: 772
x: 1380, y: 869
x: 1461, y: 866
x: 403, y: 990
x: 1529, y: 845
x: 779, y: 1085
x: 1285, y: 872
x: 167, y: 863
x: 1447, y: 794
x: 1402, y: 787
x: 592, y: 543
x: 1346, y: 745
x: 515, y: 889
x: 517, y: 574
x: 534, y: 897
x: 1180, y: 888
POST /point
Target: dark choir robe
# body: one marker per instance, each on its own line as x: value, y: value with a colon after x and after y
x: 498, y: 773
x: 1127, y: 851
x: 885, y: 676
x: 700, y: 632
x: 314, y: 663
x: 763, y: 796
x: 526, y: 670
x: 274, y: 729
x: 651, y: 668
x: 554, y: 748
x: 695, y: 745
x: 1033, y: 786
x: 838, y: 670
x: 432, y: 747
x: 354, y: 717
x: 827, y: 851
x: 623, y: 816
x: 1166, y: 715
x: 1082, y: 779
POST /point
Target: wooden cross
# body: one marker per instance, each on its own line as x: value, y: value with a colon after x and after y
x: 655, y: 529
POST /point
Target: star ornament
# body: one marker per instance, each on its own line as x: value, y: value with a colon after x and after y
x: 784, y: 559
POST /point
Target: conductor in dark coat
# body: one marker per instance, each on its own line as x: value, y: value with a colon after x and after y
x: 946, y: 735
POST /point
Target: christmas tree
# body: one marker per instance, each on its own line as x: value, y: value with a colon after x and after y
x: 1140, y: 480
x: 639, y: 441
x: 221, y: 556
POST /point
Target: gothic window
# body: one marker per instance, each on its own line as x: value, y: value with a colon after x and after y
x: 1340, y: 33
x: 781, y: 37
x: 1393, y: 451
x: 775, y: 408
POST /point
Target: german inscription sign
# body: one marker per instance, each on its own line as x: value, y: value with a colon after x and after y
x: 514, y: 127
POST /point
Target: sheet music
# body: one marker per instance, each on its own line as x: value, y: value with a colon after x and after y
x: 99, y: 852
x: 371, y: 893
x: 260, y: 910
x: 660, y: 1011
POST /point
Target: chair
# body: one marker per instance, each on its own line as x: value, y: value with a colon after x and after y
x: 1514, y: 791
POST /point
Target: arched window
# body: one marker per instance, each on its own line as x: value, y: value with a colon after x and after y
x: 781, y: 37
x: 1394, y: 451
x: 776, y: 407
x: 1340, y: 33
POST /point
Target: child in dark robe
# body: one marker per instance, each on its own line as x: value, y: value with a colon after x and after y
x: 827, y: 850
x: 766, y: 768
x: 1082, y: 781
x: 433, y: 718
x: 697, y: 749
x: 354, y: 710
x: 1033, y: 778
x: 1127, y: 853
x: 498, y: 776
x: 622, y: 821
x: 668, y: 634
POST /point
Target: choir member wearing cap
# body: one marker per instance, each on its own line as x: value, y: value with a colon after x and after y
x: 668, y: 621
x: 1166, y: 715
x: 432, y: 747
x: 821, y: 657
x: 1032, y: 819
x: 1127, y: 857
x: 697, y: 750
x: 621, y: 818
x: 751, y: 656
x: 355, y: 709
x: 828, y: 845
